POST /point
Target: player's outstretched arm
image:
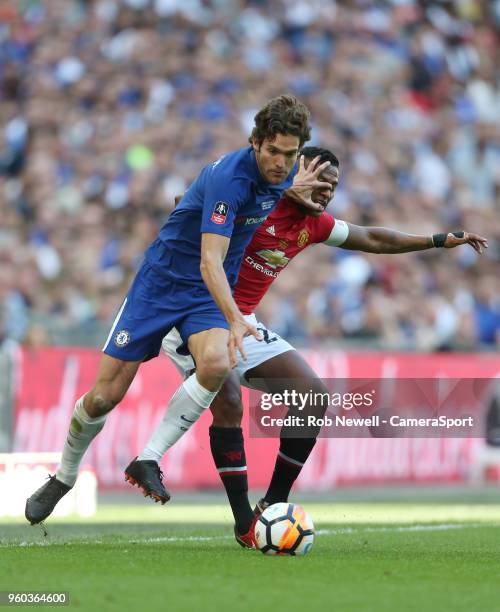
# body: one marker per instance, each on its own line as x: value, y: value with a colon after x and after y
x: 213, y: 252
x: 384, y: 240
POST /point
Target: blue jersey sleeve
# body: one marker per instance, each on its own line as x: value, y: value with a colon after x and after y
x: 222, y: 199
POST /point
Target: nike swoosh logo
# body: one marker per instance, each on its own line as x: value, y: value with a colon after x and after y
x: 187, y: 420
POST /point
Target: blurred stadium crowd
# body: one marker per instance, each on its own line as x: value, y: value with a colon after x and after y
x: 108, y: 109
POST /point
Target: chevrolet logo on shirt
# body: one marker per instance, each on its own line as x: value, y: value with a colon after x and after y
x: 275, y: 259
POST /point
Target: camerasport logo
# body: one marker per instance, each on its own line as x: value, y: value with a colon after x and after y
x: 220, y: 213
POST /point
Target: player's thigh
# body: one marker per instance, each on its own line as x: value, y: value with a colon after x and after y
x: 114, y: 377
x: 288, y: 370
x: 259, y: 351
x: 227, y: 407
x: 210, y: 353
x: 170, y: 345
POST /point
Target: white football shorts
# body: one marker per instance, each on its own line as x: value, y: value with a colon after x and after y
x: 257, y: 352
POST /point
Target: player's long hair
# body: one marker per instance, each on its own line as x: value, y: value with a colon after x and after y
x: 282, y: 115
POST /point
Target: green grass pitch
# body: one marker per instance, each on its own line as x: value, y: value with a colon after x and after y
x: 366, y: 556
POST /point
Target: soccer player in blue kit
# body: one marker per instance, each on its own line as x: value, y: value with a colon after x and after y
x: 185, y: 282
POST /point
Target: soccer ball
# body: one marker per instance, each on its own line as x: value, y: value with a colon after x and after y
x: 284, y: 529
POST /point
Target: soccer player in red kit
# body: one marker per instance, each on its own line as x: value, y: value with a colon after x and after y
x: 288, y: 230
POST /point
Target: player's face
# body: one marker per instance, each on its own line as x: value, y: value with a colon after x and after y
x: 323, y: 196
x: 276, y: 157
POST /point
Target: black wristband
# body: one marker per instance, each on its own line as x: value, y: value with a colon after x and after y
x: 438, y: 240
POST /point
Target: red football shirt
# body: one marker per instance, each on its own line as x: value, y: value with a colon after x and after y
x: 283, y: 235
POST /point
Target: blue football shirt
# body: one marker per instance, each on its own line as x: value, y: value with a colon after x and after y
x: 229, y: 197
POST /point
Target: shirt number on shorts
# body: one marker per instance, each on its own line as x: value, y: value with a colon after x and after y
x: 267, y: 338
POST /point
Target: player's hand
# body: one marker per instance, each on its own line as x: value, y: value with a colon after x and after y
x: 477, y: 242
x: 306, y: 181
x: 237, y: 331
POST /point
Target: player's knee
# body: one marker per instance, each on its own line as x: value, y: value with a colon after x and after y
x: 213, y: 366
x: 100, y: 402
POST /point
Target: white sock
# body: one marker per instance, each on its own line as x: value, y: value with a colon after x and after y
x: 184, y: 409
x: 82, y: 430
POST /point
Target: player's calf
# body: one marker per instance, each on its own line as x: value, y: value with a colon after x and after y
x: 227, y: 406
x: 228, y: 453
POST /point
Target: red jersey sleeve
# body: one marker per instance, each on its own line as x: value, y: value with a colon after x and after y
x: 323, y: 227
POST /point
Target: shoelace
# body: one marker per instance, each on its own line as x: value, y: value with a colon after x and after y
x: 160, y: 475
x: 52, y: 479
